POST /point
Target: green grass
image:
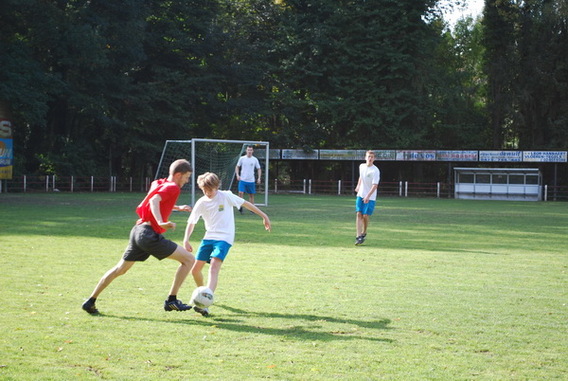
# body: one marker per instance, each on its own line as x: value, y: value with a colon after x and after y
x: 441, y: 290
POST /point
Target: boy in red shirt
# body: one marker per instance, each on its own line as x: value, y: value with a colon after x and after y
x: 146, y: 236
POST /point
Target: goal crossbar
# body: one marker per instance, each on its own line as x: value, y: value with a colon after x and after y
x: 193, y: 151
x: 250, y: 142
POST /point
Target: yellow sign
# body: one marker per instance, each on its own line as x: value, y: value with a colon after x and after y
x: 6, y: 149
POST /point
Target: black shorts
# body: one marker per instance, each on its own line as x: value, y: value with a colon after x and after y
x: 144, y: 241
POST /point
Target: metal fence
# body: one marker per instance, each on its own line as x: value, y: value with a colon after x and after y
x: 395, y: 189
x: 52, y: 183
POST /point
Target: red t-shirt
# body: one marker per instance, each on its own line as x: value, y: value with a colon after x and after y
x: 169, y: 192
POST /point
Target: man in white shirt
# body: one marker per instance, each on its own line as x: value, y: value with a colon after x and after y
x: 369, y: 178
x: 245, y: 175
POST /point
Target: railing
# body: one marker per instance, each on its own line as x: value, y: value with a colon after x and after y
x: 400, y: 189
x: 52, y: 183
x: 340, y: 187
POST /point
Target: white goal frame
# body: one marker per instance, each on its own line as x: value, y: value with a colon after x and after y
x: 193, y: 180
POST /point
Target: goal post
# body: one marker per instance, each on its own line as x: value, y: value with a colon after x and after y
x: 218, y: 156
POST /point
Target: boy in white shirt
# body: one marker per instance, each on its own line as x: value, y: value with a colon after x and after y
x: 369, y: 178
x: 216, y: 209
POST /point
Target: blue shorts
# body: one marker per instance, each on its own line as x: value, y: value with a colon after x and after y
x: 366, y: 209
x: 211, y: 248
x: 246, y: 187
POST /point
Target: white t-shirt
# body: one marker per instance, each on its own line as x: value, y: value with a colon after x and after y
x: 217, y: 213
x: 369, y: 176
x: 248, y: 165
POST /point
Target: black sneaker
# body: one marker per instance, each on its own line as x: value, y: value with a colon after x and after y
x: 90, y: 307
x: 359, y: 240
x: 241, y: 210
x: 176, y: 305
x: 202, y: 311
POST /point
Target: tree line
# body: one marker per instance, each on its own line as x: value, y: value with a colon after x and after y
x: 96, y: 86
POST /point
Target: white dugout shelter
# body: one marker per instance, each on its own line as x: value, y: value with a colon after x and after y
x: 516, y: 184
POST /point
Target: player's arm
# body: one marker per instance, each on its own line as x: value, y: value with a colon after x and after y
x: 253, y: 208
x: 237, y: 169
x: 358, y: 185
x: 182, y: 208
x: 259, y: 171
x: 155, y: 209
x: 187, y: 235
x: 368, y: 196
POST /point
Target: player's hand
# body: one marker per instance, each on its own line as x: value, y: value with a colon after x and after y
x: 168, y: 225
x: 187, y: 246
x: 184, y: 208
x: 267, y: 224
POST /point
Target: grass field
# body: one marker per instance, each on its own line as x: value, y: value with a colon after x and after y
x: 441, y: 290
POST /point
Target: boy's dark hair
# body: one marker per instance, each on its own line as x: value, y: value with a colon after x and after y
x: 180, y: 165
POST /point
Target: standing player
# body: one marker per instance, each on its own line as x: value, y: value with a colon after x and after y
x: 369, y: 178
x: 146, y: 236
x: 245, y: 175
x: 216, y: 208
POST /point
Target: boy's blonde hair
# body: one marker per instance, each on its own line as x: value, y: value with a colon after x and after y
x: 370, y: 152
x: 181, y: 166
x: 208, y: 180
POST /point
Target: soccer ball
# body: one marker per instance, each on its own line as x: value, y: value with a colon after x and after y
x: 202, y: 297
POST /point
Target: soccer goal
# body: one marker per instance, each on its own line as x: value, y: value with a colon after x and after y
x: 218, y: 156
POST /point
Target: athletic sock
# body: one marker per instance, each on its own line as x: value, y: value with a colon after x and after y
x: 172, y: 298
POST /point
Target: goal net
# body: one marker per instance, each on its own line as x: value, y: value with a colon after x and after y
x: 218, y: 156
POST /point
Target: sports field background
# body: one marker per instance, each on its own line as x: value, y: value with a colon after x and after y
x: 441, y: 290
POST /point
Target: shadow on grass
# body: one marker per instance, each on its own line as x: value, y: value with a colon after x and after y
x: 307, y: 332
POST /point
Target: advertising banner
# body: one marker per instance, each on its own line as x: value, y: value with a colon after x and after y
x: 6, y: 149
x: 456, y: 155
x: 416, y: 155
x: 503, y: 156
x: 298, y: 154
x: 545, y: 156
x: 340, y: 154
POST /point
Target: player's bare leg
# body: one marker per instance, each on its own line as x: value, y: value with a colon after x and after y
x: 361, y: 224
x: 120, y: 269
x: 365, y: 225
x: 186, y: 260
x: 196, y: 272
x: 214, y: 269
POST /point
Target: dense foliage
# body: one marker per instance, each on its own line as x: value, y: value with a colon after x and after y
x: 96, y: 87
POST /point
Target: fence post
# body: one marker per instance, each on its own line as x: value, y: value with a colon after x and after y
x: 310, y: 186
x: 92, y: 183
x: 71, y: 184
x: 47, y: 183
x: 304, y: 186
x: 438, y: 189
x: 546, y: 193
x: 53, y: 182
x: 400, y: 189
x: 406, y: 189
x: 25, y: 183
x: 130, y: 184
x: 338, y: 187
x: 275, y: 185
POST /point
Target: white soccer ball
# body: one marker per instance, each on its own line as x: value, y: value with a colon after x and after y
x: 202, y: 297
